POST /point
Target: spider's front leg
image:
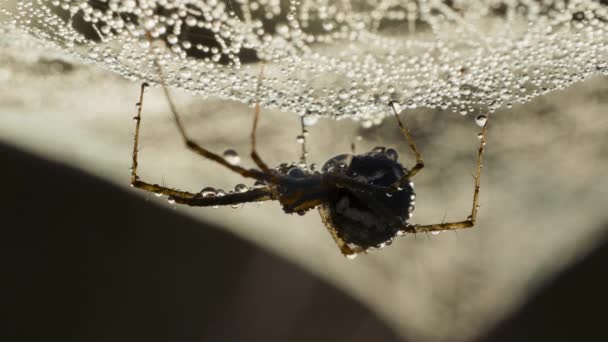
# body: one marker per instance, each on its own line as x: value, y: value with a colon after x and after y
x: 470, y: 221
x: 135, y: 181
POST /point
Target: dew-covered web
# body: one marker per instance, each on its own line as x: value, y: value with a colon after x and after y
x: 332, y: 58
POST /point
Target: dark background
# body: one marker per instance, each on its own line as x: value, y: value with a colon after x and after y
x: 85, y: 261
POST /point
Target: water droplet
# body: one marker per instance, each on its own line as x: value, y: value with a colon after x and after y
x: 391, y: 154
x: 351, y: 256
x: 479, y: 136
x: 300, y: 139
x: 389, y: 194
x: 240, y: 188
x: 171, y: 200
x: 310, y: 120
x: 208, y: 192
x: 481, y: 120
x: 259, y: 184
x: 395, y: 106
x: 232, y: 157
x: 379, y: 149
x: 367, y: 124
x: 435, y: 232
x: 158, y: 194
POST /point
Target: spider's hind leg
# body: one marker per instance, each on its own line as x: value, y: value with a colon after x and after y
x: 410, y: 141
x: 470, y: 221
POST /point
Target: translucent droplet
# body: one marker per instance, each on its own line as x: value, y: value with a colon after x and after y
x: 208, y: 192
x: 479, y: 136
x: 391, y: 154
x: 351, y: 256
x: 240, y: 188
x: 435, y: 232
x: 300, y: 139
x: 389, y: 194
x: 158, y: 194
x: 232, y: 157
x: 481, y: 120
x: 310, y: 120
x: 395, y: 106
x: 379, y: 149
x: 171, y: 200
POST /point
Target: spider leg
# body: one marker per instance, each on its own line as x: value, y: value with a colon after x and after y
x: 410, y: 141
x: 135, y: 181
x: 302, y: 136
x: 470, y: 221
x: 256, y: 115
x: 253, y: 195
x: 345, y: 249
x: 196, y: 148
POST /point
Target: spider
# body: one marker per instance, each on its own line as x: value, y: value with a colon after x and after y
x: 365, y: 200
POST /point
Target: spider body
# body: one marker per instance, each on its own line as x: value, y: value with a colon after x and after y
x: 365, y: 200
x: 368, y: 218
x: 365, y: 217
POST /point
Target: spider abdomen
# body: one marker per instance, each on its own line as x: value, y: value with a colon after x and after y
x: 368, y: 218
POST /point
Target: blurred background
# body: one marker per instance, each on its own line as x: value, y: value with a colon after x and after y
x: 89, y: 258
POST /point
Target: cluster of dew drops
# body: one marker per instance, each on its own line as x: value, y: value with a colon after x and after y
x: 343, y: 59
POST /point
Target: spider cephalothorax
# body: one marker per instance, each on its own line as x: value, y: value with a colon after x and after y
x: 365, y: 200
x: 368, y: 218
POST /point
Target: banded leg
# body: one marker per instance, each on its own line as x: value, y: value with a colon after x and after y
x: 253, y: 195
x: 135, y: 181
x: 303, y: 134
x: 470, y: 221
x: 256, y: 115
x: 410, y: 141
x: 196, y: 148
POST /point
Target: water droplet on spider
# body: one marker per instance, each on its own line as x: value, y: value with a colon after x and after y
x: 479, y: 136
x: 232, y: 157
x: 389, y: 194
x: 220, y: 193
x: 171, y: 200
x: 379, y: 149
x: 391, y: 154
x: 396, y: 106
x: 435, y: 232
x: 235, y: 206
x: 240, y: 188
x: 208, y: 192
x: 481, y: 120
x: 296, y: 172
x: 313, y: 167
x: 412, y: 197
x: 351, y: 256
x: 259, y: 184
x: 300, y: 139
x: 158, y: 194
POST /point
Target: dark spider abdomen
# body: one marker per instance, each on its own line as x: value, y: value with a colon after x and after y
x: 363, y: 218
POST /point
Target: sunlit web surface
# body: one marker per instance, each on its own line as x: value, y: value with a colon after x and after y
x: 332, y: 58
